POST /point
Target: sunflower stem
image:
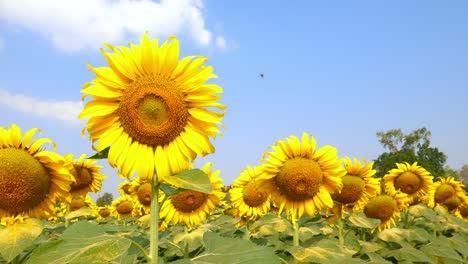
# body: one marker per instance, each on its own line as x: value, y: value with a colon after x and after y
x: 67, y: 220
x: 340, y: 230
x: 186, y: 246
x: 296, y: 233
x: 406, y: 223
x: 154, y: 220
x: 247, y: 230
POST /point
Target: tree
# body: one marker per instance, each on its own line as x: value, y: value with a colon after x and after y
x: 104, y: 199
x: 411, y: 147
x: 463, y: 174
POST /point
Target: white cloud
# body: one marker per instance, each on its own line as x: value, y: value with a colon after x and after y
x: 83, y: 24
x: 62, y: 110
x: 221, y: 43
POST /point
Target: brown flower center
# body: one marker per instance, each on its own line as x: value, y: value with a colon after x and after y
x: 299, y: 178
x: 353, y: 188
x: 153, y: 111
x: 408, y: 182
x: 381, y: 207
x: 104, y: 212
x: 464, y: 212
x: 83, y: 178
x: 126, y: 188
x: 444, y: 192
x: 144, y: 193
x: 124, y: 208
x: 188, y: 201
x: 254, y: 195
x: 452, y: 202
x: 77, y: 204
x: 24, y: 181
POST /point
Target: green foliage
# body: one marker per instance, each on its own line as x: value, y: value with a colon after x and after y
x: 101, y: 155
x: 434, y: 236
x: 194, y: 179
x: 81, y: 243
x: 463, y: 174
x: 232, y: 250
x: 105, y: 199
x: 14, y: 239
x: 411, y: 147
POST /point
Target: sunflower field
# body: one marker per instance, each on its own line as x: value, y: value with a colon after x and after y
x: 150, y: 115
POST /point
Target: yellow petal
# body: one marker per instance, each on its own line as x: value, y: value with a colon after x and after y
x: 98, y: 108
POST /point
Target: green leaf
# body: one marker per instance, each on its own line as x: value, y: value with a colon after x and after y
x: 424, y: 211
x: 377, y: 259
x: 169, y: 190
x: 82, y: 242
x: 359, y: 219
x: 410, y: 254
x: 441, y: 247
x: 101, y: 155
x: 393, y: 235
x: 325, y: 251
x: 18, y: 236
x: 231, y: 251
x: 459, y: 244
x: 419, y: 235
x: 271, y: 219
x: 83, y: 211
x: 194, y: 179
x: 368, y: 247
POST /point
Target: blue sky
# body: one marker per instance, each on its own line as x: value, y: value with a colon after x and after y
x: 340, y: 70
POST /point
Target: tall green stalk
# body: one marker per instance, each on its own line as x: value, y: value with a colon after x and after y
x: 340, y: 231
x: 67, y: 220
x: 340, y: 225
x: 154, y: 220
x: 247, y: 229
x: 296, y: 233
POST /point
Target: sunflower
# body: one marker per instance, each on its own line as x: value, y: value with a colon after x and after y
x: 411, y: 179
x: 124, y: 187
x: 88, y: 176
x: 60, y: 211
x: 102, y: 212
x: 462, y: 211
x: 301, y: 178
x: 248, y: 196
x: 191, y: 207
x: 152, y: 108
x: 31, y: 179
x: 358, y: 185
x: 387, y: 208
x: 80, y: 201
x: 140, y: 189
x: 125, y: 207
x: 448, y: 192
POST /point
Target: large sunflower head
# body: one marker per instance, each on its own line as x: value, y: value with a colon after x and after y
x: 140, y: 189
x: 156, y: 112
x: 191, y: 207
x: 248, y: 196
x: 447, y: 192
x: 31, y: 179
x: 125, y: 207
x: 88, y: 176
x: 358, y: 185
x: 386, y: 208
x: 411, y: 179
x: 302, y: 177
